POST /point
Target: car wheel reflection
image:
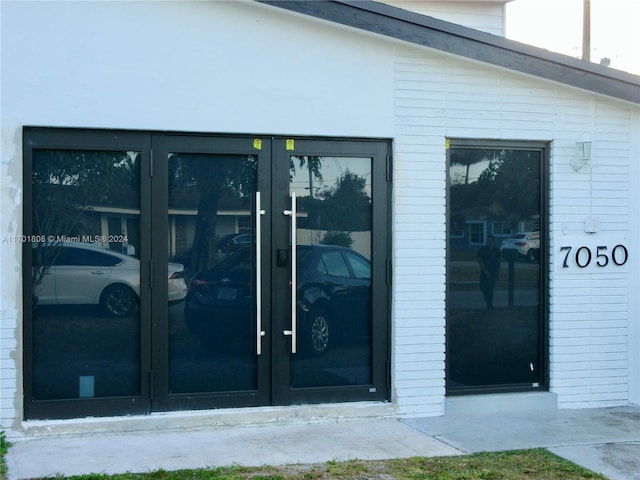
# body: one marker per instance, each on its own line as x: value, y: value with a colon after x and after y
x: 333, y: 298
x: 318, y: 332
x: 119, y: 300
x: 77, y: 273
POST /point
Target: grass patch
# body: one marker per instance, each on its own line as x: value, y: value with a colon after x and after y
x: 514, y: 465
x: 4, y: 446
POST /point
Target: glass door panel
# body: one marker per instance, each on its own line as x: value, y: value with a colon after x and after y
x: 86, y: 332
x: 212, y: 315
x: 495, y: 273
x: 166, y: 275
x: 332, y: 197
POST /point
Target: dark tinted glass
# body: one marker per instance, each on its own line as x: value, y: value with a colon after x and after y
x: 334, y: 317
x: 212, y: 332
x: 86, y: 257
x: 86, y: 320
x: 494, y: 271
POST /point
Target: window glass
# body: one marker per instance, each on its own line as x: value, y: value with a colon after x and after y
x: 360, y: 267
x: 322, y: 268
x: 335, y: 265
x: 476, y: 233
x: 86, y: 257
x: 334, y: 221
x: 494, y: 294
x: 86, y: 328
x: 209, y: 340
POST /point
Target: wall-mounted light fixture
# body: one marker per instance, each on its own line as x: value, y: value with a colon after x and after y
x: 582, y: 156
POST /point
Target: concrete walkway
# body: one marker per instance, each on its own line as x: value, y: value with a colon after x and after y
x: 603, y: 440
x: 251, y: 446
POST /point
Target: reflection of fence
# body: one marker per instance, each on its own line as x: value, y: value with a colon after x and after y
x: 361, y: 240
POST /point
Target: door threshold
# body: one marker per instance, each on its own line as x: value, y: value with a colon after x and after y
x: 209, y: 419
x: 486, y: 404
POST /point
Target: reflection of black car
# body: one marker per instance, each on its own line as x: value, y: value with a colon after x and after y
x: 233, y: 242
x: 333, y: 297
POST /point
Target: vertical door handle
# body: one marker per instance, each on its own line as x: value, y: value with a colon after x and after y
x: 259, y: 332
x: 293, y: 333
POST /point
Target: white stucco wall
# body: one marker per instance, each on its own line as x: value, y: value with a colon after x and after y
x: 240, y: 67
x: 197, y: 67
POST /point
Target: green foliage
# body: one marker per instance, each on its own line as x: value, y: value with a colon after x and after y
x: 67, y: 185
x: 344, y: 207
x: 337, y: 238
x: 4, y: 447
x: 508, y: 187
x: 204, y: 181
x: 313, y: 165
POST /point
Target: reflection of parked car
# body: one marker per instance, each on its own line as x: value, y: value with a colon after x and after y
x: 233, y: 242
x: 522, y: 245
x: 89, y: 274
x: 333, y: 296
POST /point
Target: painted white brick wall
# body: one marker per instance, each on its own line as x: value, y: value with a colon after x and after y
x: 437, y: 97
x: 8, y: 372
x: 419, y: 186
x: 382, y: 89
x: 590, y: 312
x: 10, y: 296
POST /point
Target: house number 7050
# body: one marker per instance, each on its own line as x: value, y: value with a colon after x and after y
x: 583, y: 256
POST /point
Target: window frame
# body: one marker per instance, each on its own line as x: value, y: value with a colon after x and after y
x: 544, y: 147
x: 71, y: 139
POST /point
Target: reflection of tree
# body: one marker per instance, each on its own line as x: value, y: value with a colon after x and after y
x: 513, y: 178
x: 466, y: 158
x: 337, y: 238
x: 314, y: 166
x: 345, y: 207
x: 212, y: 177
x: 509, y: 188
x: 67, y: 185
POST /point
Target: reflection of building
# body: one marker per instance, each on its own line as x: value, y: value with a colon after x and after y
x: 402, y: 89
x: 470, y: 228
x: 116, y: 224
x: 234, y: 216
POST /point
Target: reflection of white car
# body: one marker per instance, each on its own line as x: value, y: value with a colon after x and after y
x: 523, y: 244
x: 89, y: 274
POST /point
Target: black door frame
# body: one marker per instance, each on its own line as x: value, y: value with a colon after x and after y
x: 89, y: 140
x: 379, y: 152
x: 164, y: 144
x: 273, y: 181
x: 543, y: 321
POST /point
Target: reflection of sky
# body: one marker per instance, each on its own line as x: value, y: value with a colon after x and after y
x: 457, y: 172
x: 332, y: 168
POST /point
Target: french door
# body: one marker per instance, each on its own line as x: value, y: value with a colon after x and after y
x: 191, y: 272
x: 285, y: 248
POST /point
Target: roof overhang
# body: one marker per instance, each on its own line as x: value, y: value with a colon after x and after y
x: 466, y: 42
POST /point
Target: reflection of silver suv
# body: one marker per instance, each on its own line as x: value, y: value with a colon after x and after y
x: 522, y: 244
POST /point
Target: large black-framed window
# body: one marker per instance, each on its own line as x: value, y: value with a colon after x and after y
x: 83, y: 342
x: 497, y: 269
x: 132, y: 297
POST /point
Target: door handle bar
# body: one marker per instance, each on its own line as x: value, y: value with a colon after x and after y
x: 259, y: 332
x: 293, y: 333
